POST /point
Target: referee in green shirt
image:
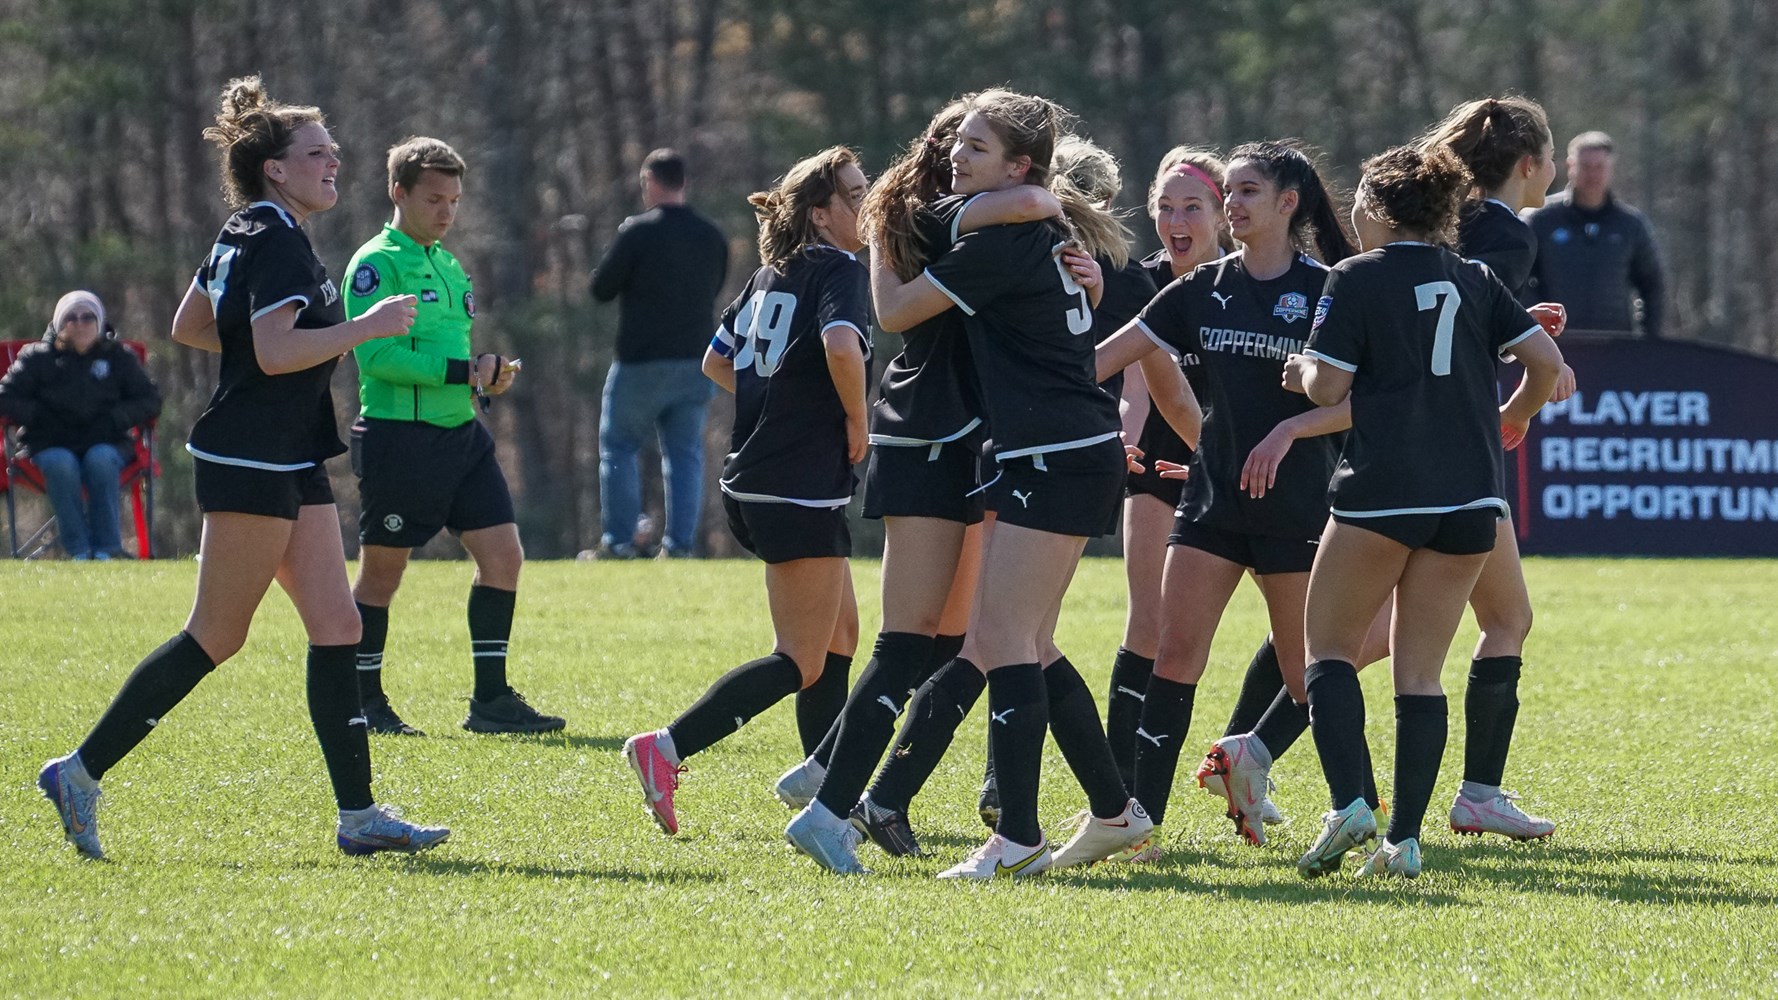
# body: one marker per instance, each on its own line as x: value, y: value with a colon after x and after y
x: 423, y: 461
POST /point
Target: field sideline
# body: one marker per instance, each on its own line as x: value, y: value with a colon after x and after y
x: 1648, y: 731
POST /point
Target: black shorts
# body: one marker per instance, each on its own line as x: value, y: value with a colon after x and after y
x: 1457, y: 533
x: 785, y: 532
x: 937, y: 480
x: 1074, y: 492
x: 1264, y: 554
x: 1159, y: 444
x: 237, y: 489
x: 415, y: 478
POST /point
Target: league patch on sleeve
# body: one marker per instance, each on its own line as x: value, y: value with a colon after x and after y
x: 469, y: 304
x: 365, y: 280
x: 1322, y: 305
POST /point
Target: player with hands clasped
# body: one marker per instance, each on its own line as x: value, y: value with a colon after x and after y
x: 1406, y: 335
x: 265, y: 302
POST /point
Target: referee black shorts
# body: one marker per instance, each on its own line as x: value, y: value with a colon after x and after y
x: 415, y: 478
x: 1456, y: 533
x: 238, y: 489
x: 1074, y: 492
x: 938, y: 480
x: 786, y: 532
x: 1264, y: 554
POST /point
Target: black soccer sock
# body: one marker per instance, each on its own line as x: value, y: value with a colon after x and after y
x: 735, y: 698
x: 160, y: 681
x: 1260, y: 689
x: 1018, y: 715
x: 867, y: 722
x: 1490, y: 708
x: 1074, y: 722
x: 490, y: 626
x: 1336, y: 716
x: 370, y: 651
x: 335, y: 710
x: 1123, y: 709
x: 932, y: 717
x: 1279, y: 728
x: 1166, y: 718
x: 1371, y: 798
x: 944, y: 649
x: 1421, y: 724
x: 818, y: 705
x: 823, y: 754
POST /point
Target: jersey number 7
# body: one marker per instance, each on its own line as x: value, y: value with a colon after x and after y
x: 1440, y: 295
x: 764, y: 322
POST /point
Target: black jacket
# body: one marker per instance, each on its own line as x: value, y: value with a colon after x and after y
x: 668, y: 264
x: 1590, y: 260
x: 64, y: 399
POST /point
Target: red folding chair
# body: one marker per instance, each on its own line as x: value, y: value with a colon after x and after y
x: 137, y: 477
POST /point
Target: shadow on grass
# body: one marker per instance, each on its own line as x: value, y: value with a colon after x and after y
x: 1618, y: 874
x: 427, y: 864
x: 557, y: 739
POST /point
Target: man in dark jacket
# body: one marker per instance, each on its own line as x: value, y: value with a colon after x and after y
x: 667, y: 265
x: 1593, y: 250
x: 76, y: 394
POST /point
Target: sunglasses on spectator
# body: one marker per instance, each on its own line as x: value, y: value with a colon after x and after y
x: 82, y: 318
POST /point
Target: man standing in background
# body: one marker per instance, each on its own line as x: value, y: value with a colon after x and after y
x: 1593, y: 250
x: 667, y: 266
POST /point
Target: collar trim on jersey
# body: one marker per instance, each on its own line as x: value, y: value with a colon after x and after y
x: 274, y: 206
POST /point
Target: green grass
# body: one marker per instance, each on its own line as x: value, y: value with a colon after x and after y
x: 1647, y: 730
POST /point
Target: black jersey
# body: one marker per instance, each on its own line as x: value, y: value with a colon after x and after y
x: 928, y: 393
x: 262, y: 261
x: 1420, y: 328
x: 1491, y: 233
x: 789, y: 441
x: 1127, y: 290
x: 1242, y: 330
x: 1030, y: 330
x: 1159, y: 441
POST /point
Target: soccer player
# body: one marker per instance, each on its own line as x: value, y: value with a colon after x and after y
x: 263, y: 300
x: 424, y: 462
x: 1060, y: 466
x: 793, y: 348
x: 1406, y: 335
x: 1253, y: 501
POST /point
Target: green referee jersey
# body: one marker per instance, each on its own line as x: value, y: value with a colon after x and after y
x: 409, y: 378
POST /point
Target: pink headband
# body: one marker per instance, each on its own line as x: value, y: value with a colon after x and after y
x: 1188, y: 170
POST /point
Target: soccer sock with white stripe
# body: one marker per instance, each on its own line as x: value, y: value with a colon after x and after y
x: 490, y: 627
x: 735, y: 698
x: 1166, y: 718
x: 160, y: 681
x: 1123, y: 709
x: 339, y: 723
x: 1018, y: 715
x: 867, y: 723
x: 1074, y: 722
x: 370, y: 651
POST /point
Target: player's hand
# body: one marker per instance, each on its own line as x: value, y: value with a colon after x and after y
x: 857, y: 439
x: 1552, y: 316
x: 1133, y: 460
x: 493, y: 380
x: 1081, y: 264
x: 1293, y: 372
x: 1512, y: 433
x: 1261, y: 471
x: 389, y: 318
x: 1171, y: 470
x: 1565, y: 385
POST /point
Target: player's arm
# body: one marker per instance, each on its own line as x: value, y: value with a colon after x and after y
x: 282, y: 348
x: 902, y: 305
x: 1260, y: 472
x: 1326, y: 384
x: 1025, y: 203
x: 719, y: 368
x: 1123, y: 349
x: 1172, y: 395
x: 1133, y: 404
x: 194, y: 325
x: 844, y: 345
x: 1543, y: 366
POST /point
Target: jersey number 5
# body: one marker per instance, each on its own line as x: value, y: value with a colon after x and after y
x: 1080, y: 318
x: 765, y: 323
x: 1440, y: 295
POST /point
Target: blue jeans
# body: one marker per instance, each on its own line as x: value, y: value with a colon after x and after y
x: 88, y: 528
x: 644, y: 398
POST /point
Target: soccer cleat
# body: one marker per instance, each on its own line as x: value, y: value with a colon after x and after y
x: 1212, y: 782
x: 829, y: 840
x: 796, y: 787
x: 1245, y: 782
x: 1497, y: 815
x: 509, y: 713
x: 1374, y: 843
x: 380, y: 717
x: 1001, y: 858
x: 659, y: 777
x: 987, y: 805
x: 385, y: 830
x: 1399, y: 860
x: 78, y: 807
x: 1098, y: 839
x: 886, y: 828
x: 1341, y: 830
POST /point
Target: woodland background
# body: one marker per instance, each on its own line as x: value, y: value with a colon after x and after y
x: 106, y: 184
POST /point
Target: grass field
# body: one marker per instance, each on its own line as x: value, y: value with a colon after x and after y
x: 1648, y: 731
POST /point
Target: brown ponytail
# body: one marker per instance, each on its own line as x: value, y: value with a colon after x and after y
x: 887, y: 216
x: 1491, y: 136
x: 784, y: 224
x: 1316, y: 221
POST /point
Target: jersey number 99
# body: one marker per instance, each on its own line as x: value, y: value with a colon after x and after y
x: 764, y: 325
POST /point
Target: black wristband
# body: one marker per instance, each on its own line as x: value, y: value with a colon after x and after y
x: 456, y: 371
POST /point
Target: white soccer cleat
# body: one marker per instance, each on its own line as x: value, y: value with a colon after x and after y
x: 1398, y: 860
x: 1245, y: 783
x: 1341, y: 830
x: 1269, y: 814
x: 796, y: 787
x: 1497, y: 815
x: 831, y: 841
x: 1098, y: 839
x: 1001, y: 858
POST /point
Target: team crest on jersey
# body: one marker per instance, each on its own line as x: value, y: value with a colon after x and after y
x: 393, y: 522
x: 1322, y: 305
x: 428, y: 295
x: 469, y: 304
x: 1291, y: 307
x: 366, y: 279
